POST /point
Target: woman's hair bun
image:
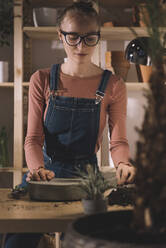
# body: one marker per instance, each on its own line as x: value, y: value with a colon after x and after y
x: 81, y: 8
x: 85, y: 3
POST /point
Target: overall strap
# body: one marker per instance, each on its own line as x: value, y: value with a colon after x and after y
x: 54, y: 77
x: 101, y: 89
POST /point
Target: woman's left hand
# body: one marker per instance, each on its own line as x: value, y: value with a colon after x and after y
x: 125, y: 174
x: 40, y: 174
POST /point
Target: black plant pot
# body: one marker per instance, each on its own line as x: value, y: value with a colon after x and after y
x: 110, y: 230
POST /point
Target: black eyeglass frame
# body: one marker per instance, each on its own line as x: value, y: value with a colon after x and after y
x: 82, y: 37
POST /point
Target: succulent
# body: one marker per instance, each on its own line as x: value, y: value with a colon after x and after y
x: 93, y: 182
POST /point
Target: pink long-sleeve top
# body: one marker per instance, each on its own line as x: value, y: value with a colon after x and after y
x: 113, y: 104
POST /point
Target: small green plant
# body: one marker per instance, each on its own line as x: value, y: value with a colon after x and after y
x: 93, y: 183
x: 4, y: 156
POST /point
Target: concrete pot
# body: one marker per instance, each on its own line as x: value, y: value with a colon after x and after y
x: 94, y: 206
x: 45, y: 16
x: 110, y: 230
x: 57, y: 189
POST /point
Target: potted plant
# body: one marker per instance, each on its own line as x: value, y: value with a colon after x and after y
x: 145, y: 226
x: 96, y: 188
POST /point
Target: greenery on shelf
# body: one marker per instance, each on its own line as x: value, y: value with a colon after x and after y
x: 4, y: 156
x: 150, y: 161
x: 7, y: 18
x: 6, y: 21
x: 93, y: 183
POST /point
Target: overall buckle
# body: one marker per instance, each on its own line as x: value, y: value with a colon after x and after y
x: 99, y: 96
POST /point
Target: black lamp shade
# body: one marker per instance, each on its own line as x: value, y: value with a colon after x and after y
x: 137, y: 51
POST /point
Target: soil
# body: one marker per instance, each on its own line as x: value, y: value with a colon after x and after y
x: 122, y: 196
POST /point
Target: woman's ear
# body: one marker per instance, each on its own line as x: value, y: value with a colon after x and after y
x: 59, y: 34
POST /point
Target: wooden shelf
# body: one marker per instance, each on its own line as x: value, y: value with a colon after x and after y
x: 130, y: 85
x: 25, y: 84
x: 6, y: 84
x: 47, y: 33
x: 103, y: 3
x: 11, y: 84
x: 122, y: 33
x: 107, y: 33
x: 12, y: 169
x: 136, y: 86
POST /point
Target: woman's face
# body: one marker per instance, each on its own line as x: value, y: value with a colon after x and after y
x: 80, y: 53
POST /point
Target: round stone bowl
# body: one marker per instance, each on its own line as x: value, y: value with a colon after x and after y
x: 58, y: 189
x: 110, y: 230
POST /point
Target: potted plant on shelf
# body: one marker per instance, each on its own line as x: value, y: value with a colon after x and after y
x: 145, y: 226
x: 96, y: 188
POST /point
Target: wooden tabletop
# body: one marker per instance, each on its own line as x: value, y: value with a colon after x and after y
x: 25, y: 215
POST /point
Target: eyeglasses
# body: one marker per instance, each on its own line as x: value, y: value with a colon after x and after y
x: 73, y: 39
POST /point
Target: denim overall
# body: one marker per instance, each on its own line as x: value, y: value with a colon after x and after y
x: 71, y: 129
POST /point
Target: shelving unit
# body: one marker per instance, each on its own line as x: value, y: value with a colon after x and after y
x: 49, y: 33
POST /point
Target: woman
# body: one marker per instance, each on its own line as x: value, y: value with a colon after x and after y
x: 79, y: 30
x: 68, y: 106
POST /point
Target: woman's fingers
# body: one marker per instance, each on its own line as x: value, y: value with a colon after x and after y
x: 125, y: 174
x: 50, y: 175
x: 29, y: 176
x: 131, y: 175
x: 36, y: 176
x: 40, y: 175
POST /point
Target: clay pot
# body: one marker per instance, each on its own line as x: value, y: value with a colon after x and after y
x: 110, y: 230
x: 146, y: 72
x: 120, y: 64
x: 143, y: 16
x: 108, y: 24
x: 94, y: 206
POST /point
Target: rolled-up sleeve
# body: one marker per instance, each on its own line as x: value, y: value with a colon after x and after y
x: 119, y: 147
x: 35, y: 135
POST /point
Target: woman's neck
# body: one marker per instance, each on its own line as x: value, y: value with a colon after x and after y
x: 80, y: 70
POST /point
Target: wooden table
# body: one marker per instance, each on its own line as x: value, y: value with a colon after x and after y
x: 31, y: 216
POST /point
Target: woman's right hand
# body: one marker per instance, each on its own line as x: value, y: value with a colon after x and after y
x: 40, y: 174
